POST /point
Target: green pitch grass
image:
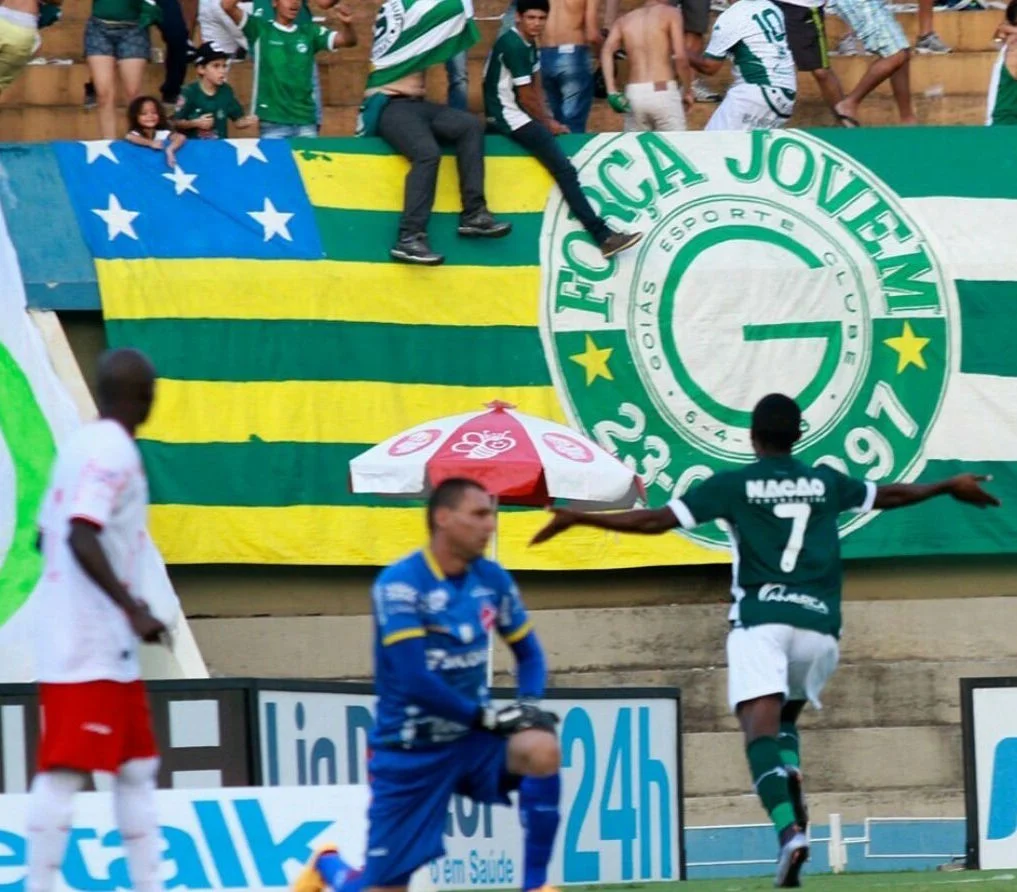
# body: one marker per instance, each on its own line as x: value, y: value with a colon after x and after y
x: 904, y: 881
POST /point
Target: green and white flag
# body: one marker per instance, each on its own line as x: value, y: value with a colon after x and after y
x: 412, y: 35
x: 37, y: 413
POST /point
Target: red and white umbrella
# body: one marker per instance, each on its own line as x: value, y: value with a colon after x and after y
x: 519, y: 458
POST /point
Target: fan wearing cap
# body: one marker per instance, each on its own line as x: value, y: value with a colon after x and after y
x: 205, y: 107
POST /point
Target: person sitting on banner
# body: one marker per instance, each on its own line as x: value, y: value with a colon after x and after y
x: 395, y: 108
x: 436, y: 732
x: 515, y: 106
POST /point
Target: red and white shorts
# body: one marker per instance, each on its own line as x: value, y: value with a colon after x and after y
x: 94, y: 725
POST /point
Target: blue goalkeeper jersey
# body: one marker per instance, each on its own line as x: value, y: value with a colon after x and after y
x: 455, y: 617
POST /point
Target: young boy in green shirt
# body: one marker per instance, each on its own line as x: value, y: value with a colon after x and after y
x: 283, y: 53
x: 206, y: 106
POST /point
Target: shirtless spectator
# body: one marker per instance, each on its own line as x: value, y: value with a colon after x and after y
x: 651, y: 36
x: 566, y: 61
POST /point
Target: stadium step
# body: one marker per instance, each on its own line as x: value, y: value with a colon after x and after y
x: 623, y: 640
x: 915, y: 802
x: 42, y: 123
x: 343, y: 79
x: 846, y: 759
x: 967, y: 31
x: 864, y: 694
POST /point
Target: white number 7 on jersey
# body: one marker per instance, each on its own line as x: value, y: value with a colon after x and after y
x: 799, y: 516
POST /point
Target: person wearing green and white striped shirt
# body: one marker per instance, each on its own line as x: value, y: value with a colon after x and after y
x: 1001, y: 104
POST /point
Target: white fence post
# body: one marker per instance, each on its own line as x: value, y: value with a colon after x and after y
x: 838, y: 851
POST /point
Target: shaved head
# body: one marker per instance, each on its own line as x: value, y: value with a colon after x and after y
x: 126, y: 386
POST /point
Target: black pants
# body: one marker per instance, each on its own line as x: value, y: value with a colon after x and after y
x: 174, y: 33
x: 415, y: 128
x: 540, y: 142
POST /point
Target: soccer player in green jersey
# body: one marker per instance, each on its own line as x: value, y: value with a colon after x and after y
x: 786, y: 591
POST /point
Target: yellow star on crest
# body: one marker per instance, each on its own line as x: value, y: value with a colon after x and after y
x: 909, y: 348
x: 594, y: 360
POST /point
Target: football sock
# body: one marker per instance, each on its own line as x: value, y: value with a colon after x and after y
x: 337, y: 874
x: 538, y: 813
x: 134, y: 807
x: 770, y: 780
x: 790, y: 745
x: 50, y: 808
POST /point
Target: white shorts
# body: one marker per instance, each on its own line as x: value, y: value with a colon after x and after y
x: 874, y: 25
x: 779, y: 659
x: 219, y: 28
x: 655, y: 107
x: 751, y: 107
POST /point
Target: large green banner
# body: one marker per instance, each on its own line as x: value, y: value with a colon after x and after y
x: 867, y: 273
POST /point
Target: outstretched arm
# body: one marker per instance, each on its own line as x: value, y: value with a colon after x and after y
x: 645, y: 521
x: 963, y: 488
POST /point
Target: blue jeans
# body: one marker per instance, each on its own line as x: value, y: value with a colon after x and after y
x: 568, y: 84
x: 458, y: 89
x: 288, y: 131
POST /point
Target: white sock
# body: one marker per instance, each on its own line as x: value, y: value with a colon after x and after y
x: 134, y: 804
x: 50, y: 809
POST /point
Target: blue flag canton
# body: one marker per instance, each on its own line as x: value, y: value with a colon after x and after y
x: 237, y: 198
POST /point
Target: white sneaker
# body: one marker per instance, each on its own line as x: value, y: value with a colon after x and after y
x: 931, y: 44
x: 703, y: 93
x: 850, y: 45
x: 793, y: 854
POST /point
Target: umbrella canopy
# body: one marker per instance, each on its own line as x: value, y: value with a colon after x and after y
x: 522, y: 459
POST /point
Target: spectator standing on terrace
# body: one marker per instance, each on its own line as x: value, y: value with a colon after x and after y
x: 568, y: 48
x: 880, y: 33
x: 20, y: 21
x: 653, y: 38
x: 1001, y: 105
x: 206, y: 107
x: 284, y: 64
x: 117, y: 43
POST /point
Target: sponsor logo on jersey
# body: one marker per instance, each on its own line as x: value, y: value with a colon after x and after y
x: 779, y: 490
x: 436, y: 600
x: 777, y: 593
x: 439, y: 660
x: 771, y: 261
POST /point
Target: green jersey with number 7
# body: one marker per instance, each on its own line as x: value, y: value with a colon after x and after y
x: 782, y: 521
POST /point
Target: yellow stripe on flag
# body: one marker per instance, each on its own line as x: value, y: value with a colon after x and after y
x: 375, y: 183
x: 319, y: 411
x: 322, y: 290
x: 359, y: 536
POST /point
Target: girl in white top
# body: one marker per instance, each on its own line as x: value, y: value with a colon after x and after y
x: 148, y: 126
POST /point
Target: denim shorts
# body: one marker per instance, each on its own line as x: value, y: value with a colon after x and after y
x: 121, y: 40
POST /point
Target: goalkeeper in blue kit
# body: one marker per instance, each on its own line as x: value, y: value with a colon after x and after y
x: 436, y: 733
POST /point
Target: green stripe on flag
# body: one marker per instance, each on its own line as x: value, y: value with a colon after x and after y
x: 294, y: 350
x: 891, y: 154
x: 988, y: 345
x: 944, y: 527
x: 367, y: 236
x: 494, y: 146
x: 254, y: 473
